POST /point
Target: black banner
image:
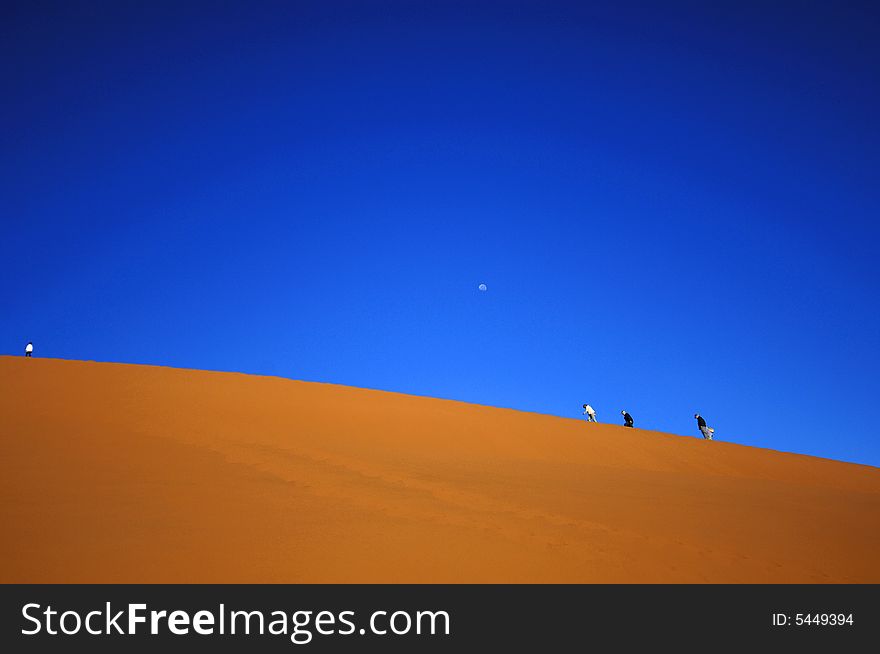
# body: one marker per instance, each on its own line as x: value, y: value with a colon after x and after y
x: 320, y: 618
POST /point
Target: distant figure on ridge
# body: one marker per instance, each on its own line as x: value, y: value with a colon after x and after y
x: 707, y: 431
x: 29, y: 349
x: 627, y: 419
x: 590, y: 412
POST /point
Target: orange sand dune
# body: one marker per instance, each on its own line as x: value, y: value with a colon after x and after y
x: 123, y: 473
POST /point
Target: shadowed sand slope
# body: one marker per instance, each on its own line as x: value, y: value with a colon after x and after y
x: 123, y: 473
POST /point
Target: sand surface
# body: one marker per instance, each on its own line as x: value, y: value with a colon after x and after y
x: 123, y: 473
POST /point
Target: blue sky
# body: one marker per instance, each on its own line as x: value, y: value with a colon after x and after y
x: 674, y: 207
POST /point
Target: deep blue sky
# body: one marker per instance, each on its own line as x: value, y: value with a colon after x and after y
x: 674, y: 208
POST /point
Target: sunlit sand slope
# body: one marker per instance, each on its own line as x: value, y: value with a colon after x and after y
x: 124, y: 473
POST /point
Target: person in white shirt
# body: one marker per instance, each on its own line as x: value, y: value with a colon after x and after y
x: 29, y: 349
x: 590, y: 413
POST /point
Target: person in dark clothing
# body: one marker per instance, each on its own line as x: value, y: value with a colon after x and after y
x: 29, y: 349
x: 704, y: 428
x: 627, y: 419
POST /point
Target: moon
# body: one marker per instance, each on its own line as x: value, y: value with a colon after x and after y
x: 482, y: 287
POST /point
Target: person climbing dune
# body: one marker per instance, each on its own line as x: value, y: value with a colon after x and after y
x: 29, y: 349
x: 704, y: 429
x: 627, y: 419
x: 590, y: 412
